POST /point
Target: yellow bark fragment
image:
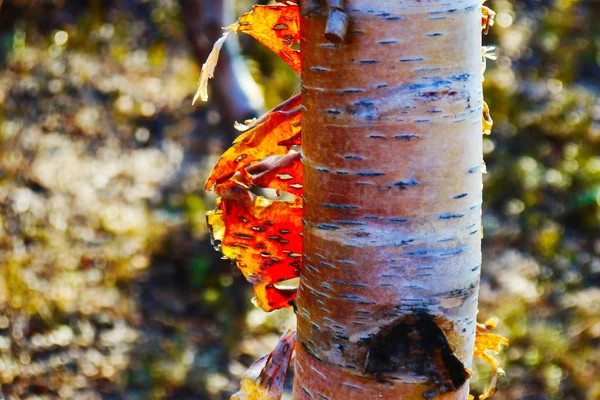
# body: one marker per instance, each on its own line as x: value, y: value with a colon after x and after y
x: 487, y: 19
x: 488, y: 122
x: 487, y: 344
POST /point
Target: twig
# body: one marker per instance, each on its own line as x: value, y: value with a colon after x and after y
x: 337, y: 23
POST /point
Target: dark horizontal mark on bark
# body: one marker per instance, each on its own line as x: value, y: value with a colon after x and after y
x: 394, y: 18
x: 328, y: 227
x: 427, y: 69
x: 460, y: 77
x: 404, y: 242
x: 411, y: 59
x: 416, y: 253
x: 351, y: 297
x: 452, y: 252
x: 451, y: 216
x: 433, y: 34
x: 403, y: 185
x: 340, y: 172
x: 430, y: 85
x: 463, y: 292
x: 332, y: 111
x: 319, y: 69
x: 370, y: 173
x: 340, y: 206
x: 322, y: 169
x: 306, y: 391
x: 436, y: 18
x: 377, y: 136
x: 390, y: 41
x: 351, y: 157
x: 460, y: 196
x: 382, y: 85
x: 397, y: 219
x: 368, y: 61
x: 352, y: 90
x: 473, y: 169
x: 311, y: 268
x: 352, y: 386
x: 365, y: 103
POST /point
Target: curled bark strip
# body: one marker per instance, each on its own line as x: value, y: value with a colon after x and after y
x: 287, y: 105
x: 263, y: 237
x: 487, y: 19
x: 279, y: 173
x: 261, y: 140
x: 277, y: 27
x: 208, y: 68
x: 265, y: 378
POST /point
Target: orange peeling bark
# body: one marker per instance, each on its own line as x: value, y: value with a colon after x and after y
x: 392, y: 201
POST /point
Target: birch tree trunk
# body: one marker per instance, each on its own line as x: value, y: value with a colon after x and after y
x: 391, y: 142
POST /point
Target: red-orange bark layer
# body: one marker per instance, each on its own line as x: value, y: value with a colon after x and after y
x: 391, y: 138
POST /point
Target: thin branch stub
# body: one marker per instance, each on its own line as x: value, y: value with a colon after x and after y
x: 337, y: 22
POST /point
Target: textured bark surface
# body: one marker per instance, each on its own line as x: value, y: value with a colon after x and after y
x: 392, y: 184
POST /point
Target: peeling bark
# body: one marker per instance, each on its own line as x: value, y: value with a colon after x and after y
x: 392, y: 159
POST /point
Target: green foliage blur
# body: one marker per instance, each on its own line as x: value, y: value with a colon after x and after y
x: 109, y: 287
x: 542, y: 197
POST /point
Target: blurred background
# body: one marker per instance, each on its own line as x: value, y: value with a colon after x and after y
x: 109, y: 287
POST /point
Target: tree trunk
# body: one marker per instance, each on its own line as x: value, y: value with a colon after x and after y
x: 391, y: 143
